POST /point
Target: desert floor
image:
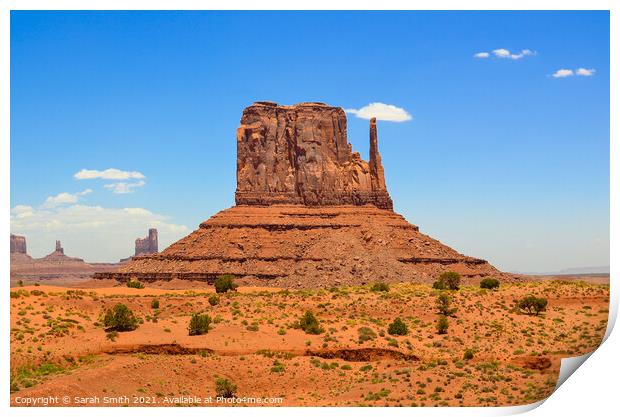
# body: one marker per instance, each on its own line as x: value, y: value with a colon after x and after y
x: 59, y: 349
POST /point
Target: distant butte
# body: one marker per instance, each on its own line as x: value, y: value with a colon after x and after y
x: 309, y: 213
x: 54, y: 266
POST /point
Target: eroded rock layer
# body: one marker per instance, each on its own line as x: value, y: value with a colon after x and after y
x: 300, y: 246
x: 300, y: 155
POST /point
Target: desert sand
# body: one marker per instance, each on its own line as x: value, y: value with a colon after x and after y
x: 59, y: 349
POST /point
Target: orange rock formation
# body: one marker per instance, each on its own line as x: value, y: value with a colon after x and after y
x: 310, y: 212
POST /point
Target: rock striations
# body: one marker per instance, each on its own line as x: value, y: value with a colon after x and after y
x: 309, y: 213
x: 300, y: 155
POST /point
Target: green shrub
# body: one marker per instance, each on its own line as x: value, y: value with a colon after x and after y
x: 224, y: 388
x: 532, y: 305
x: 489, y: 283
x: 135, y: 284
x: 468, y: 355
x: 442, y: 325
x: 155, y: 303
x: 439, y: 285
x: 214, y: 300
x: 277, y: 367
x: 380, y: 286
x: 365, y: 333
x: 451, y: 280
x: 444, y: 302
x: 120, y: 318
x: 199, y: 324
x: 397, y: 327
x: 309, y: 324
x: 224, y: 283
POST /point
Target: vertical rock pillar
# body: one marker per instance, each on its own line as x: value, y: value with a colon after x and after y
x: 377, y: 176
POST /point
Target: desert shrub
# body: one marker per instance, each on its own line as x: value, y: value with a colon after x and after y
x: 112, y: 335
x: 214, y: 300
x: 444, y: 302
x: 451, y: 280
x: 224, y: 283
x: 199, y: 324
x: 365, y: 333
x: 489, y: 283
x: 120, y: 318
x: 224, y: 388
x: 439, y: 285
x: 380, y: 286
x: 277, y: 367
x: 397, y: 327
x: 309, y: 324
x: 532, y: 305
x: 135, y: 284
x: 155, y: 303
x: 469, y: 354
x: 442, y: 325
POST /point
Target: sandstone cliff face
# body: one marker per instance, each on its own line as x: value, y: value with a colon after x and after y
x: 148, y: 244
x: 300, y: 155
x: 18, y: 244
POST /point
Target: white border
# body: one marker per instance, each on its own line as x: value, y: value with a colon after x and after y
x: 592, y: 390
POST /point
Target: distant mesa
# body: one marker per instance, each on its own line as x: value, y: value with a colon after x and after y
x: 145, y: 246
x: 148, y: 244
x: 59, y: 256
x: 55, y: 265
x: 18, y: 244
x: 309, y: 212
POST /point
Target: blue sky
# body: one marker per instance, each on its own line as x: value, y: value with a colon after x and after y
x: 502, y: 160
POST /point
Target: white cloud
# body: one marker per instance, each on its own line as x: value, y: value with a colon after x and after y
x: 22, y: 211
x: 124, y: 187
x: 385, y: 112
x: 524, y: 52
x: 501, y: 53
x: 562, y: 73
x: 94, y: 233
x: 585, y: 72
x: 65, y: 198
x: 108, y: 174
x: 505, y: 53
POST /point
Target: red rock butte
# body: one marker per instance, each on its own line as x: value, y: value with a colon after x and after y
x: 309, y: 213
